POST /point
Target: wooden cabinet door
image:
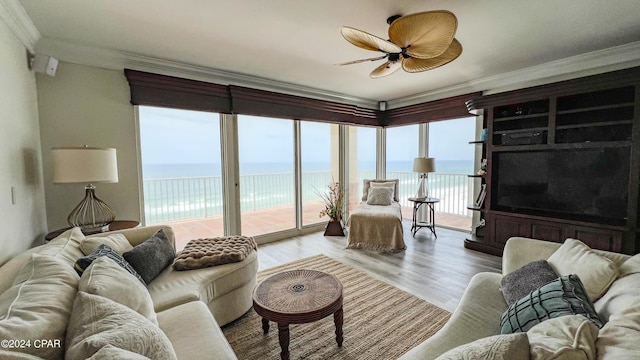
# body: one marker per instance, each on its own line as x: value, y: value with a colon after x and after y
x: 602, y: 239
x: 505, y: 227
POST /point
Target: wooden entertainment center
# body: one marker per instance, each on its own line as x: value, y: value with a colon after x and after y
x: 563, y: 160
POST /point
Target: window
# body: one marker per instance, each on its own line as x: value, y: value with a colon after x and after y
x: 362, y: 161
x: 181, y: 171
x: 267, y: 182
x: 319, y: 145
x: 401, y: 148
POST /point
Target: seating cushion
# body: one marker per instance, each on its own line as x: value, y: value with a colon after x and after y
x: 566, y: 337
x: 97, y: 321
x: 200, y: 253
x: 38, y: 305
x: 106, y: 278
x: 152, y: 256
x: 498, y: 347
x: 596, y: 272
x: 110, y: 352
x: 564, y: 296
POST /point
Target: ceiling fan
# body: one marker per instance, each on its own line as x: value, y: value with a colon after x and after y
x: 417, y: 42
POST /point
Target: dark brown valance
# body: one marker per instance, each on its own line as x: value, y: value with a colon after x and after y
x: 168, y: 91
x: 443, y: 109
x: 266, y: 103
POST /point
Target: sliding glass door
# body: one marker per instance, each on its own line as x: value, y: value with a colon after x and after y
x: 267, y: 181
x: 402, y: 146
x: 181, y: 171
x: 362, y: 160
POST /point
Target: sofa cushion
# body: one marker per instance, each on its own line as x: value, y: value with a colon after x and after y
x: 106, y: 278
x: 97, y: 321
x: 498, y: 347
x: 104, y: 250
x: 110, y: 352
x: 152, y: 256
x: 567, y: 337
x: 117, y: 242
x: 210, y: 342
x: 619, y: 338
x: 65, y: 247
x: 623, y: 293
x: 201, y: 253
x: 519, y: 283
x: 595, y: 271
x: 38, y: 305
x: 564, y: 296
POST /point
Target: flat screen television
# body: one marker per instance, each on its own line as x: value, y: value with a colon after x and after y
x: 579, y: 184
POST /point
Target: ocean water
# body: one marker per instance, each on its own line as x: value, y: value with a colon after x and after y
x: 185, y: 191
x: 169, y: 171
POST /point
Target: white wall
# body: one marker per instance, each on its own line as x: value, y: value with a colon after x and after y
x: 24, y: 222
x: 88, y: 105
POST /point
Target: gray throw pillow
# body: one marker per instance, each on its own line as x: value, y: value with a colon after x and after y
x: 564, y: 296
x: 104, y: 250
x: 152, y: 256
x: 519, y: 283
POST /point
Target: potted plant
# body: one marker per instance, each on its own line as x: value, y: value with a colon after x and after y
x: 333, y: 202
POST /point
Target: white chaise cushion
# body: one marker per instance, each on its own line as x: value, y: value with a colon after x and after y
x: 570, y: 337
x: 117, y: 242
x: 596, y: 272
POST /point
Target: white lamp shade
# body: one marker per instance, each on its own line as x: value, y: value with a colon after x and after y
x: 84, y: 165
x: 424, y: 165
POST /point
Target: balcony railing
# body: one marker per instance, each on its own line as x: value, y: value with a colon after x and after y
x: 201, y: 197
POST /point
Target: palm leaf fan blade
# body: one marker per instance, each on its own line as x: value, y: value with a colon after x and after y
x: 425, y: 35
x: 385, y: 69
x: 367, y: 41
x: 413, y: 65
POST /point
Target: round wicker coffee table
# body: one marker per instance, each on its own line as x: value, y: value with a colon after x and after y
x: 298, y: 297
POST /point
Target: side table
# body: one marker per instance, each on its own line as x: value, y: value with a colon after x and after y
x: 116, y: 225
x: 431, y: 220
x: 298, y: 297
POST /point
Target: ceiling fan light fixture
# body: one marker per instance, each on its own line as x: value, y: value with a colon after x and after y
x: 418, y: 42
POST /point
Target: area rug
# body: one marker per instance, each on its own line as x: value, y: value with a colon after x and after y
x: 380, y: 321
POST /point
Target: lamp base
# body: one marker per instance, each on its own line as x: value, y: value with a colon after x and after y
x: 423, y: 191
x: 92, y: 215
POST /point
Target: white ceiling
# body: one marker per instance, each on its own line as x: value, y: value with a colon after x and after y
x: 293, y: 45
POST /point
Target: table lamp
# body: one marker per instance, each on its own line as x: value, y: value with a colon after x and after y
x: 423, y: 166
x: 87, y: 165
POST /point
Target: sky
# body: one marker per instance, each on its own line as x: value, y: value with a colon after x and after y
x: 181, y: 136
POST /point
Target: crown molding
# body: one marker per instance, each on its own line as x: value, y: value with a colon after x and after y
x: 16, y: 17
x: 118, y: 60
x: 592, y: 63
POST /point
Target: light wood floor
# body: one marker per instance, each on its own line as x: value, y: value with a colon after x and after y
x: 436, y: 270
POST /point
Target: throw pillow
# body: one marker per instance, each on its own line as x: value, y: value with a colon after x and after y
x: 110, y: 352
x: 520, y: 282
x: 152, y: 256
x: 380, y: 196
x: 367, y: 184
x: 201, y: 253
x: 106, y: 278
x: 497, y: 347
x: 66, y: 246
x: 38, y: 305
x: 97, y: 321
x: 117, y: 242
x: 595, y: 271
x: 564, y: 296
x: 105, y: 250
x: 566, y: 337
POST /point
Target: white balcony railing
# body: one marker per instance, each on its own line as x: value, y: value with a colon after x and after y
x: 201, y: 197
